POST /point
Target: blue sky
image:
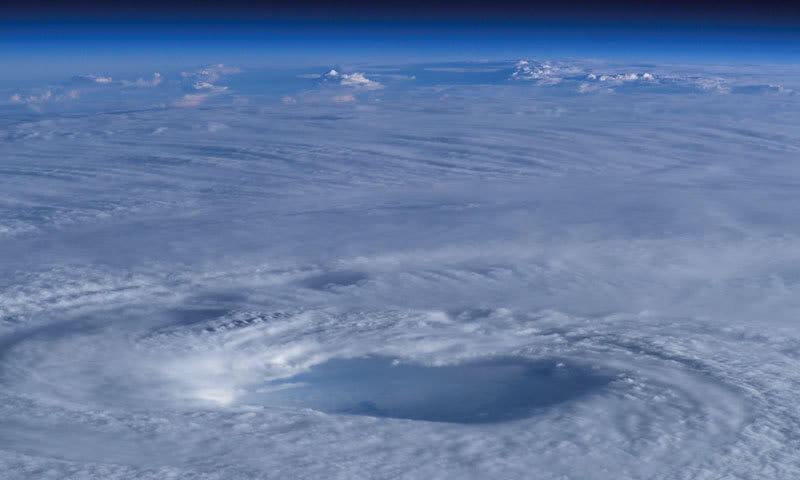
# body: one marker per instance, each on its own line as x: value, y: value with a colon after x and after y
x: 35, y: 45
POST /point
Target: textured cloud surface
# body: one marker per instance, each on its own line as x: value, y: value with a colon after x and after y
x: 492, y: 271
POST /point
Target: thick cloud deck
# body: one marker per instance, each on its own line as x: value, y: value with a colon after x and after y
x: 549, y: 269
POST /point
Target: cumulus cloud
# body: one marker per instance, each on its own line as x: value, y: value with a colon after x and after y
x: 211, y: 73
x: 543, y: 73
x: 588, y: 78
x: 52, y: 95
x: 141, y: 82
x: 359, y: 80
x: 353, y: 80
x: 711, y: 84
x: 210, y: 87
x: 620, y: 78
x: 33, y: 98
x: 204, y: 79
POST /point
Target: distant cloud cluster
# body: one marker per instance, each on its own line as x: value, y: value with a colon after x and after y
x: 341, y: 85
x: 355, y: 80
x: 544, y: 73
x: 211, y: 73
x: 585, y: 78
x: 35, y: 100
x: 198, y: 86
x: 43, y: 97
x: 204, y: 80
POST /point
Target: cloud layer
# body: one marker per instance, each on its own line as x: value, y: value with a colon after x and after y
x: 171, y: 277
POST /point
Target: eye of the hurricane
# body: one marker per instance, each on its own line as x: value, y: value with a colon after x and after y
x: 484, y: 391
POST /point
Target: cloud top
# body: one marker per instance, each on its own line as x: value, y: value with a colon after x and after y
x: 358, y: 80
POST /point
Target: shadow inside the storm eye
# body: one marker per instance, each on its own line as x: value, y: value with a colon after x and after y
x: 489, y: 390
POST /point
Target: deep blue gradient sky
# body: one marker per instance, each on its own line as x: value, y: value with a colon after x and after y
x: 45, y: 38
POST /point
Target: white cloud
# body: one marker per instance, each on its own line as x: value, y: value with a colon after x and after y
x: 586, y: 87
x: 344, y: 98
x: 50, y: 95
x: 287, y: 100
x: 620, y: 78
x: 33, y: 99
x: 211, y: 73
x: 551, y: 73
x: 98, y: 79
x: 352, y: 80
x: 596, y: 81
x: 210, y: 87
x: 543, y: 73
x: 713, y: 84
x: 192, y: 100
x: 141, y: 82
x: 359, y: 80
x: 204, y: 79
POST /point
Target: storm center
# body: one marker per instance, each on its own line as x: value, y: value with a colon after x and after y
x: 482, y: 391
